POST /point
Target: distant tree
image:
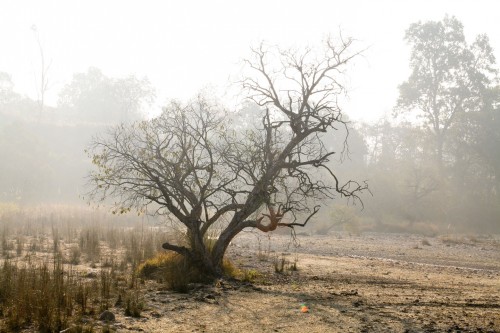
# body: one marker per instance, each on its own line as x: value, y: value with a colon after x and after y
x: 13, y: 105
x: 486, y: 140
x: 448, y: 76
x: 477, y: 159
x: 196, y: 166
x: 402, y: 175
x: 25, y: 170
x: 94, y: 97
x: 41, y: 78
x: 7, y: 94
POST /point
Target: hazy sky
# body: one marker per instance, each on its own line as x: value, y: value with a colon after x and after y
x: 182, y: 46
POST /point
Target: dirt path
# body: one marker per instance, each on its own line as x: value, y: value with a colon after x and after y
x: 372, y: 283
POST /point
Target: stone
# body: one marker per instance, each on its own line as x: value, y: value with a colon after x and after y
x: 107, y: 316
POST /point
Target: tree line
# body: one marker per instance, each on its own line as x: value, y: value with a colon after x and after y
x: 41, y: 146
x: 433, y: 164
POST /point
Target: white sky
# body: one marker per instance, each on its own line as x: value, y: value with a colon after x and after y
x: 182, y: 46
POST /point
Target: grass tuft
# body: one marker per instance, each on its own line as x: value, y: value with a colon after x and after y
x: 177, y: 272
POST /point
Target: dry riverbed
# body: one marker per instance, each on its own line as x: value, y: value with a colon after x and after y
x: 367, y: 283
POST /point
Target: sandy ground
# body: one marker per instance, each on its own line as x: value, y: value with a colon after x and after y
x: 368, y: 283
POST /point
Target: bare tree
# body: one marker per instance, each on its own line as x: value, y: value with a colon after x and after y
x: 42, y: 81
x: 193, y: 166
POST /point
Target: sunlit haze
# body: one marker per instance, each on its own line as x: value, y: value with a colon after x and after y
x: 184, y: 46
x: 250, y: 166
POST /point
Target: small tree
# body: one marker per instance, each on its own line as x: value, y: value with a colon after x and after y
x: 195, y: 165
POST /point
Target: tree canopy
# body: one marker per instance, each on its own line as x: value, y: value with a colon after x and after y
x: 94, y: 97
x: 449, y: 76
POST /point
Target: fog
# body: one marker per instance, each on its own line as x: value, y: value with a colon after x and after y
x: 70, y: 70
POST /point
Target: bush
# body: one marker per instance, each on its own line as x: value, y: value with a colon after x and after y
x: 74, y: 255
x: 282, y: 265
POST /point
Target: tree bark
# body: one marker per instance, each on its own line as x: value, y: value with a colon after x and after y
x: 200, y: 254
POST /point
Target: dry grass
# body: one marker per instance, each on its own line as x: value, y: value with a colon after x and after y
x: 60, y: 264
x: 460, y: 239
x: 177, y: 272
x: 50, y: 297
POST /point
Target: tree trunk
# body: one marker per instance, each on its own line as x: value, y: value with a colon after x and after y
x: 440, y: 144
x: 200, y: 255
x: 221, y: 245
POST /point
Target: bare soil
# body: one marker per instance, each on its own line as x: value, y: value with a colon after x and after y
x: 368, y: 283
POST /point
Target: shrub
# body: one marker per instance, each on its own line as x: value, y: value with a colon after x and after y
x: 282, y: 265
x: 133, y: 306
x: 74, y: 255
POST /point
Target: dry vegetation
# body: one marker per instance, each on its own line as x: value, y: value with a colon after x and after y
x: 63, y: 267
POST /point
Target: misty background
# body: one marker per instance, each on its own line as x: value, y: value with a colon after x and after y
x: 70, y: 70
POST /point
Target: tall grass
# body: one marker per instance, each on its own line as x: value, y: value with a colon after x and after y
x: 37, y: 295
x: 89, y: 242
x: 50, y: 297
x: 59, y: 264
